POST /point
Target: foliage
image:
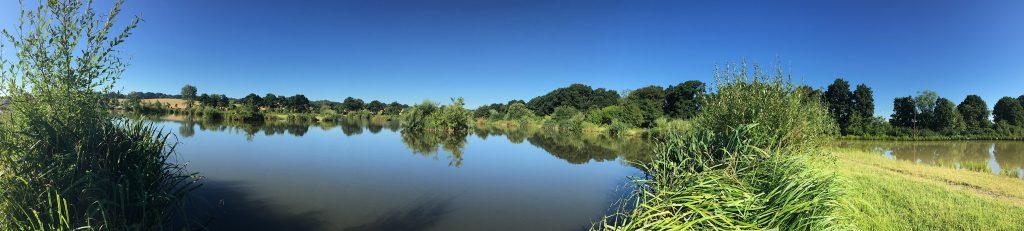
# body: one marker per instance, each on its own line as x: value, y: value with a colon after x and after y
x: 975, y: 112
x: 650, y: 102
x: 925, y: 104
x: 1009, y: 110
x: 946, y: 118
x: 904, y: 112
x: 744, y: 166
x: 864, y: 101
x: 352, y: 104
x: 518, y: 112
x: 577, y: 95
x: 188, y: 93
x: 840, y: 102
x: 65, y: 161
x: 683, y: 100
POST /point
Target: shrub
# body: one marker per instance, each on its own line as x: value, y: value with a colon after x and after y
x: 66, y: 162
x: 744, y: 166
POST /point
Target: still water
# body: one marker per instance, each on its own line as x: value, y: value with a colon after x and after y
x: 374, y: 176
x: 997, y: 157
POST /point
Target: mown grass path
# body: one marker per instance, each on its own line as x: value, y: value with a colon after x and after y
x: 885, y: 194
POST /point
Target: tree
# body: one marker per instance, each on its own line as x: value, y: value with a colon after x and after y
x: 810, y: 93
x: 1020, y: 99
x: 352, y: 104
x: 393, y: 108
x: 375, y: 106
x: 252, y: 100
x: 683, y: 100
x: 925, y: 104
x: 840, y: 101
x: 864, y: 101
x: 975, y: 112
x: 904, y: 113
x: 204, y: 99
x: 650, y: 101
x: 518, y: 111
x: 270, y: 101
x: 579, y: 96
x: 1009, y: 110
x: 299, y: 103
x: 945, y: 116
x: 188, y: 93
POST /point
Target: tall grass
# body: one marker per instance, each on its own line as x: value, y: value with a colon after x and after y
x: 65, y: 161
x: 743, y: 166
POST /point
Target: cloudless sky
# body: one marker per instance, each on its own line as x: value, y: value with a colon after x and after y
x: 494, y: 51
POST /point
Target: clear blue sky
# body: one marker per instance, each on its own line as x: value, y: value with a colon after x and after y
x: 494, y: 51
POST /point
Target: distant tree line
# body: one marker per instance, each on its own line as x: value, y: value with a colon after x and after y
x: 636, y: 108
x: 926, y: 114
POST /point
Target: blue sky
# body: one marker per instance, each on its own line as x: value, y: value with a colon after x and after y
x: 493, y: 51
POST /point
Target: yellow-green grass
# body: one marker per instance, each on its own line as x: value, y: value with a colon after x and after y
x: 885, y: 194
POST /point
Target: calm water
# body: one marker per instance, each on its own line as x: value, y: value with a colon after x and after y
x: 367, y: 176
x: 997, y: 157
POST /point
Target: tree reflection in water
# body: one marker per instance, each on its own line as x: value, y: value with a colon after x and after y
x: 575, y: 148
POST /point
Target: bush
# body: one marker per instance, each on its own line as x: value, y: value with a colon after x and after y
x: 744, y: 166
x: 66, y: 162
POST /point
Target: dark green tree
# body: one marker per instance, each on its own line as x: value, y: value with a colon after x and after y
x: 1009, y: 110
x: 299, y: 103
x: 945, y: 117
x: 576, y: 95
x: 352, y: 104
x: 252, y: 100
x: 204, y: 99
x: 188, y: 93
x: 270, y: 101
x: 810, y: 93
x: 975, y: 112
x: 864, y: 101
x: 904, y: 113
x: 925, y: 103
x: 393, y: 108
x: 650, y: 101
x: 375, y: 106
x: 840, y: 103
x: 683, y: 100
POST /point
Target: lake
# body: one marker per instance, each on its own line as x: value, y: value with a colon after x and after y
x: 374, y: 176
x: 996, y: 157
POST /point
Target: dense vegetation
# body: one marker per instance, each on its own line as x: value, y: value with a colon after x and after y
x: 66, y: 163
x: 925, y: 116
x: 742, y: 166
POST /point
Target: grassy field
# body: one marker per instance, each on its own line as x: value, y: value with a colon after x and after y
x: 885, y: 194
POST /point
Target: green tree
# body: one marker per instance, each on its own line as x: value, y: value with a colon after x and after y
x: 925, y: 104
x: 352, y: 104
x: 375, y: 106
x: 393, y: 108
x: 904, y: 113
x: 518, y: 111
x: 945, y: 116
x: 252, y: 100
x: 299, y: 103
x: 577, y: 95
x: 188, y: 93
x: 975, y: 112
x: 650, y: 101
x: 1009, y: 110
x: 840, y: 102
x: 864, y: 101
x: 683, y: 100
x: 564, y: 113
x: 808, y: 93
x: 204, y: 99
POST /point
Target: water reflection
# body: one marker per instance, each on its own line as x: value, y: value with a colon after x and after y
x: 575, y: 148
x: 997, y: 157
x: 364, y: 175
